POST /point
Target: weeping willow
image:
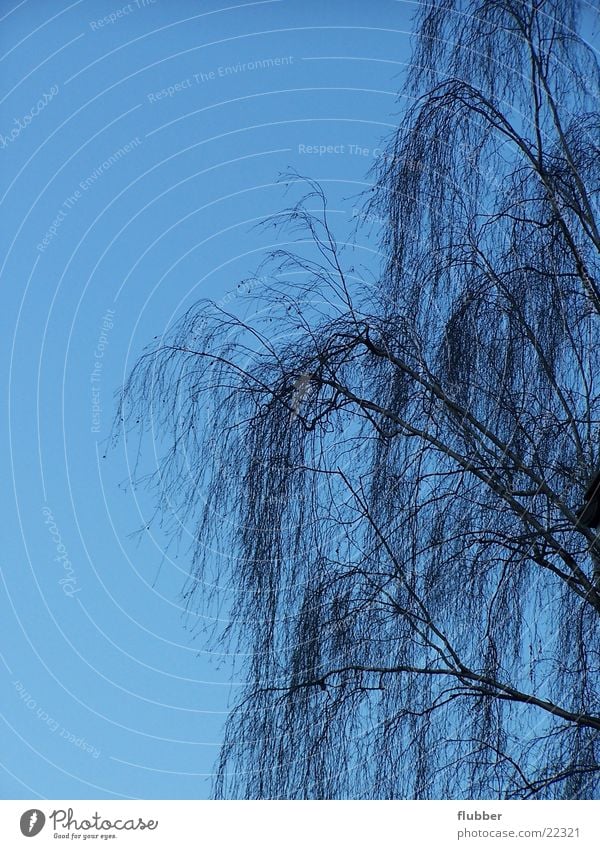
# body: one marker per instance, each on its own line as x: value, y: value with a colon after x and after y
x: 385, y: 477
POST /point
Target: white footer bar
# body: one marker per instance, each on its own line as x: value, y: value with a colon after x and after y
x: 291, y: 825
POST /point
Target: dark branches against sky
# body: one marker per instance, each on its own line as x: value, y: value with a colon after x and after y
x: 397, y: 466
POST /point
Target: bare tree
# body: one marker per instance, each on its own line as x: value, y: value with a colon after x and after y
x: 388, y: 478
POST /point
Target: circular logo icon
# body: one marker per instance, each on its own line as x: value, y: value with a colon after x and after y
x: 32, y: 822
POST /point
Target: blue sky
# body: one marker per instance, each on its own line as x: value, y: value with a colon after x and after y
x: 140, y: 143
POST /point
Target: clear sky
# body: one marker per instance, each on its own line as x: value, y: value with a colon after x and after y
x: 139, y: 145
